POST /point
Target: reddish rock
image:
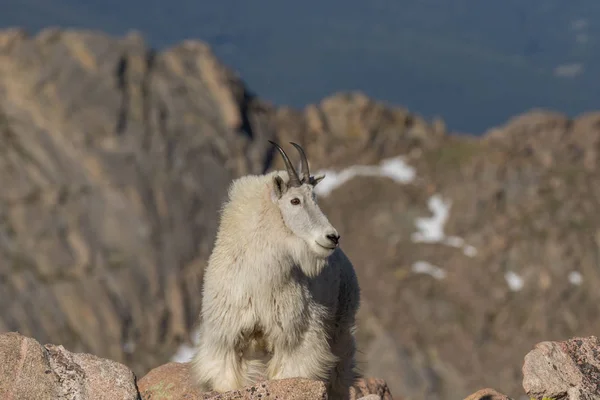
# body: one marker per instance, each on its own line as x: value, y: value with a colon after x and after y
x: 370, y: 386
x: 563, y: 370
x: 171, y: 381
x: 30, y: 371
x: 487, y: 394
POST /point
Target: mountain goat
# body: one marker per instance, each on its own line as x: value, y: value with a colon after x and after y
x: 279, y: 295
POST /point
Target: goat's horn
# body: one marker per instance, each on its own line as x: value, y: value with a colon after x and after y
x: 294, y: 180
x: 304, y: 171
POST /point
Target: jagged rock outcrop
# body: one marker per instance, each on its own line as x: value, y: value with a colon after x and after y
x: 115, y: 158
x: 30, y: 371
x: 568, y: 370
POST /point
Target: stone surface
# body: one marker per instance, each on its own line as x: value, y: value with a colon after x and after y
x: 487, y: 394
x: 115, y: 158
x: 171, y: 381
x: 29, y: 371
x: 567, y: 370
x: 374, y: 387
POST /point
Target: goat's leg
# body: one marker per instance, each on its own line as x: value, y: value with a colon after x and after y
x: 217, y: 366
x: 310, y: 358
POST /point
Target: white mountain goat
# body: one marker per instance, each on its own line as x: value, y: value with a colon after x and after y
x: 279, y: 295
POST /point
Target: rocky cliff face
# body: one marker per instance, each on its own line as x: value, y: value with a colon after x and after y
x: 115, y: 160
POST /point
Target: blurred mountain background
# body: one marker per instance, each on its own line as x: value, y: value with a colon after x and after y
x: 117, y: 148
x: 473, y: 63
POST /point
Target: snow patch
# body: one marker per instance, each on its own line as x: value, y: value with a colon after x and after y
x: 423, y: 267
x: 470, y: 251
x: 431, y: 229
x: 184, y: 354
x: 395, y: 168
x: 186, y: 351
x: 575, y: 278
x: 514, y: 281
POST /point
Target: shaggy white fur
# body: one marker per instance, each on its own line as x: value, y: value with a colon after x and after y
x: 279, y: 295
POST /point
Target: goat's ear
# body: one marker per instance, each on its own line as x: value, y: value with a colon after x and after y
x: 279, y: 187
x: 316, y: 179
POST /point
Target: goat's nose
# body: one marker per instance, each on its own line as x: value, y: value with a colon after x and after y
x: 334, y: 237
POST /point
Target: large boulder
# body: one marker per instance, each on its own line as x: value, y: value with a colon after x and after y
x: 568, y: 370
x: 30, y: 371
x: 487, y: 394
x: 171, y: 381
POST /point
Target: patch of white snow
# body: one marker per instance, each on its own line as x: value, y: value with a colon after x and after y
x: 575, y: 278
x: 469, y: 251
x: 395, y: 168
x: 454, y: 241
x: 423, y: 267
x: 514, y: 281
x: 184, y: 354
x: 431, y: 229
x: 186, y: 351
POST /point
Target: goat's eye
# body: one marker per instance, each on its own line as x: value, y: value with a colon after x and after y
x: 295, y: 201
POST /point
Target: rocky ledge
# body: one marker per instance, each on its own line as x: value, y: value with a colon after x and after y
x: 30, y: 371
x: 568, y: 370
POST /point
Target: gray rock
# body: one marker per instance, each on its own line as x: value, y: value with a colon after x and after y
x: 29, y: 371
x: 568, y: 370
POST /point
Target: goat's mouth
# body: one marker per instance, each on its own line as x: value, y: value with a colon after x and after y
x: 326, y: 247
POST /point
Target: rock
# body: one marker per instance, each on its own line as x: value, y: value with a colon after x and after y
x: 171, y: 381
x: 487, y: 394
x: 29, y: 371
x: 370, y: 397
x: 563, y: 370
x: 374, y: 387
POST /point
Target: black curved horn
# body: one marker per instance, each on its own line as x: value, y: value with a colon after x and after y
x: 294, y: 180
x: 304, y: 172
